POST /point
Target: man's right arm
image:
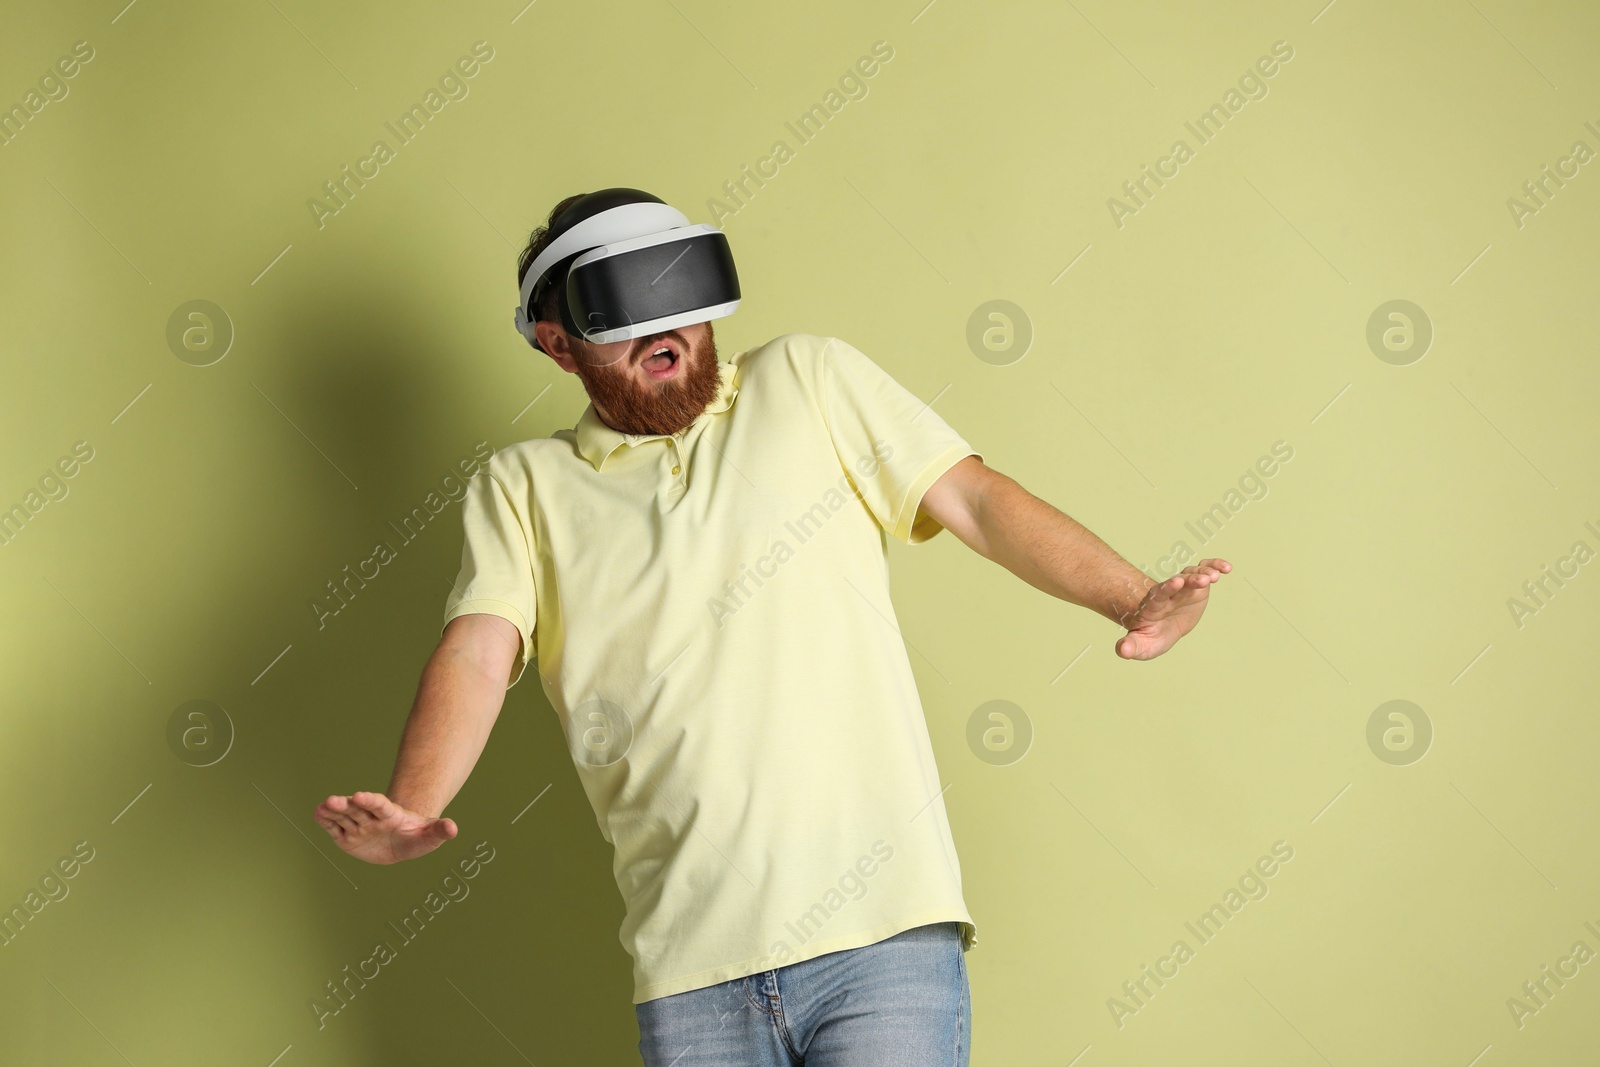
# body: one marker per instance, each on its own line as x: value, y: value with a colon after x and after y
x: 458, y: 700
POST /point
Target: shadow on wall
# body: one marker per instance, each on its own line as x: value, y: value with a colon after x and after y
x: 505, y: 937
x: 214, y: 884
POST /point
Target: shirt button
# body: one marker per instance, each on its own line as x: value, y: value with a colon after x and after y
x: 677, y: 470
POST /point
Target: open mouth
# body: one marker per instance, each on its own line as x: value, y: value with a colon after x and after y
x: 661, y: 358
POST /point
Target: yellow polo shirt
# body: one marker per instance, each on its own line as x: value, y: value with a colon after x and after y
x: 710, y: 615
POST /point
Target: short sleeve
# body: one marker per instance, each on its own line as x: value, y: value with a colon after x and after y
x: 496, y: 575
x: 892, y: 444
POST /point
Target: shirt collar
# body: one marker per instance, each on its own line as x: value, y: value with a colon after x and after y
x: 597, y: 441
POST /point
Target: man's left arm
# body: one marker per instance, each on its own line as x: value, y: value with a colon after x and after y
x: 1001, y: 521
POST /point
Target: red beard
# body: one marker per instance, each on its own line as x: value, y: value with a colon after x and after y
x: 634, y: 406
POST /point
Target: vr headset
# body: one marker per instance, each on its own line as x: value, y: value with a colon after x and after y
x: 629, y: 265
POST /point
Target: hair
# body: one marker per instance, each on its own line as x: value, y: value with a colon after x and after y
x: 537, y: 241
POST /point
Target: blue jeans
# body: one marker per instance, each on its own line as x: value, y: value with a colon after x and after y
x: 900, y: 1002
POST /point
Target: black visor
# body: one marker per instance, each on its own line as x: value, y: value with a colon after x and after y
x: 635, y: 292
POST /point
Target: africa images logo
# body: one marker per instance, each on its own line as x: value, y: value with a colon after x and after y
x: 452, y: 86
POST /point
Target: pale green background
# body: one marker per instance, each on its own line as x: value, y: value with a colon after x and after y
x: 1227, y: 314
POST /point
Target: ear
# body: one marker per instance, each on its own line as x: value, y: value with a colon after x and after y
x: 553, y: 338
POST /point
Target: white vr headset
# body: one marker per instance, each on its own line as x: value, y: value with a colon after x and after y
x: 629, y: 265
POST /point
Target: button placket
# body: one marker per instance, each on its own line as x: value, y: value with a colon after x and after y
x: 677, y: 468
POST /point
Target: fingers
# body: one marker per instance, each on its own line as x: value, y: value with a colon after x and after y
x: 1202, y: 574
x: 334, y: 816
x: 367, y: 807
x: 1186, y: 587
x: 342, y: 815
x: 327, y: 820
x: 337, y: 830
x: 1173, y: 589
x: 1197, y: 575
x: 1215, y: 568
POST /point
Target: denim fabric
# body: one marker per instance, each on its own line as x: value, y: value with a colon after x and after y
x: 900, y: 1002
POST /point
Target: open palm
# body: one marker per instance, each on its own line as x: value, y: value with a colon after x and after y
x: 1169, y: 610
x: 374, y: 828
